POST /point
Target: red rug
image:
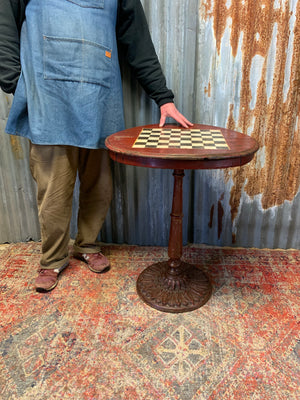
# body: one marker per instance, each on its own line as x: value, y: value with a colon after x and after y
x: 93, y: 338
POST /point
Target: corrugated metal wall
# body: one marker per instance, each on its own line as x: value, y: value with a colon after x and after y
x: 231, y: 63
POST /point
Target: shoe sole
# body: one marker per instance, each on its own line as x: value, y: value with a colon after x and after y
x: 43, y: 290
x: 99, y: 272
x: 105, y: 269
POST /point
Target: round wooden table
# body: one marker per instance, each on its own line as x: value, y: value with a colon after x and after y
x: 174, y: 285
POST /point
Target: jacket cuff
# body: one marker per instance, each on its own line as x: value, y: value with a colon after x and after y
x: 164, y: 101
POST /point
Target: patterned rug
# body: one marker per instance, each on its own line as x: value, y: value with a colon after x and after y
x: 93, y: 338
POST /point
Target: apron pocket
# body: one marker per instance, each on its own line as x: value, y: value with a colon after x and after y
x: 88, y: 3
x: 77, y: 60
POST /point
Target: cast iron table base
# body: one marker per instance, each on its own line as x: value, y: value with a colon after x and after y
x: 187, y: 291
x: 174, y: 286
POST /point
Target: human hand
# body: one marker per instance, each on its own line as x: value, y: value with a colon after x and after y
x: 169, y: 110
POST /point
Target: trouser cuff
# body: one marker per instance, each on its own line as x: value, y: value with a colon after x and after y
x: 60, y: 265
x: 87, y: 249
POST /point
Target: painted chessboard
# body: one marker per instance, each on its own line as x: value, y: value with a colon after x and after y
x: 164, y: 138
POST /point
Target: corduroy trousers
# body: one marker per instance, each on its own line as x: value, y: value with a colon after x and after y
x: 55, y: 168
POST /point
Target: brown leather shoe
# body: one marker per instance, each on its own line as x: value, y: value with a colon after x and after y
x: 47, y: 279
x: 96, y: 262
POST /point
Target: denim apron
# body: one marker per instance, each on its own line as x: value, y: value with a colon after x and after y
x: 69, y: 91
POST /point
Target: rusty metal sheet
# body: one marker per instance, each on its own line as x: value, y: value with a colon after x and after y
x: 230, y: 63
x: 265, y: 36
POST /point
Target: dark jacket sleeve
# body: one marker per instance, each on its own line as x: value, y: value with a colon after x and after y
x: 12, y: 14
x: 136, y: 45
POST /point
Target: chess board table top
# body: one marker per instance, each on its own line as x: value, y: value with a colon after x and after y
x: 241, y: 149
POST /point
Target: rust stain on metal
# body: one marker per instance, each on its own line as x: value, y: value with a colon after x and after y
x: 230, y: 121
x: 210, y: 224
x: 233, y: 238
x: 220, y: 216
x: 17, y: 149
x: 207, y: 90
x: 275, y: 119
